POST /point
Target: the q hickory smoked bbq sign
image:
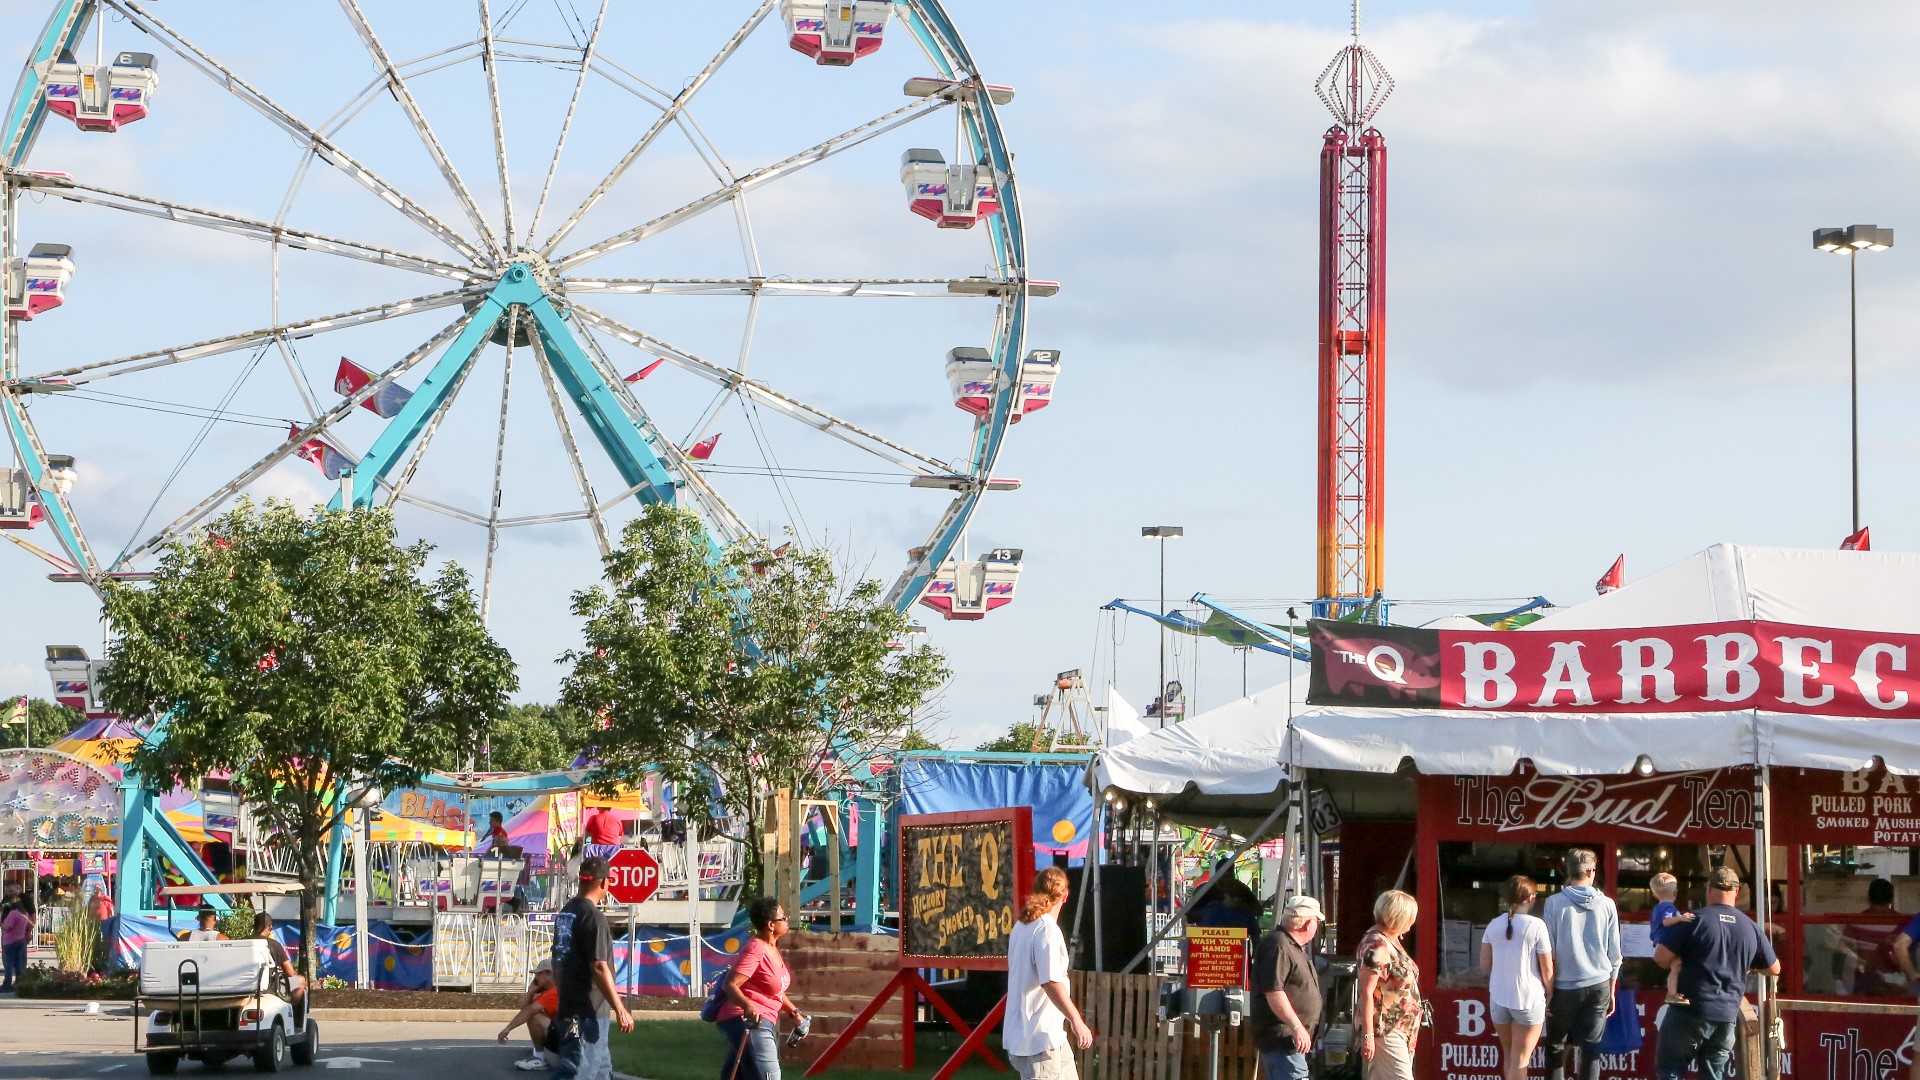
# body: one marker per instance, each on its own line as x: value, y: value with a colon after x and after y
x: 963, y: 877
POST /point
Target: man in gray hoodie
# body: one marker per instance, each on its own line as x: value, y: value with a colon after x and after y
x: 1584, y: 927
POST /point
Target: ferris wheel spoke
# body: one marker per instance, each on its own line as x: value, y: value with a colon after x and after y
x: 322, y: 146
x: 720, y: 515
x: 428, y: 139
x: 234, y: 224
x: 581, y: 481
x: 199, y: 350
x: 281, y: 452
x: 812, y: 155
x: 766, y: 286
x: 492, y: 64
x: 566, y: 124
x: 819, y: 419
x: 673, y: 110
x: 499, y: 448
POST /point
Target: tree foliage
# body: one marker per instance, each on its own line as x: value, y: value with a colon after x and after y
x: 534, y: 738
x: 307, y: 656
x: 1018, y: 739
x: 739, y: 671
x: 47, y: 723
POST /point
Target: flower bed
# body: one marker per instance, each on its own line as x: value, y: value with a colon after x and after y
x: 41, y: 981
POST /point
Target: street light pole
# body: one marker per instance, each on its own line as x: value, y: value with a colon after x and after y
x: 1851, y: 241
x: 1853, y: 370
x: 1162, y: 533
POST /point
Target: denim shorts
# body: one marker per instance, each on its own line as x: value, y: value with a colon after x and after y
x: 1500, y: 1014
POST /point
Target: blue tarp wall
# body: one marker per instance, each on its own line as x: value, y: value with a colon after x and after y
x: 1062, y: 809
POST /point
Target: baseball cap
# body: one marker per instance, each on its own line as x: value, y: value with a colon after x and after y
x: 594, y: 867
x: 544, y: 965
x: 1305, y: 906
x: 206, y: 911
x: 1724, y: 878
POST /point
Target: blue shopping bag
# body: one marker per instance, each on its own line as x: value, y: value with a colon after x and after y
x: 1622, y: 1034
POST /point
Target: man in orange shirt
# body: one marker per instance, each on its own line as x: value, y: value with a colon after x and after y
x: 536, y: 1011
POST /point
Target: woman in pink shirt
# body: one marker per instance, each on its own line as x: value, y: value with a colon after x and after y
x: 15, y: 928
x: 755, y: 994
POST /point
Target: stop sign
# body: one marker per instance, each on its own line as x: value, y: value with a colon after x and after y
x: 632, y: 876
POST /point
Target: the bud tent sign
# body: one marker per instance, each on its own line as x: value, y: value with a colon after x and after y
x: 632, y: 876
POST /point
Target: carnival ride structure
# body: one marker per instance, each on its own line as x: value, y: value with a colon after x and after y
x: 516, y: 290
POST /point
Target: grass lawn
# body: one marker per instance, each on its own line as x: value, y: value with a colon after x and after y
x: 693, y: 1050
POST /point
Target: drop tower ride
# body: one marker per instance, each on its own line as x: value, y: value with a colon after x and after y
x: 1353, y: 331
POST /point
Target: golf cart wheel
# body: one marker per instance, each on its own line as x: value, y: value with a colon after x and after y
x: 163, y: 1064
x: 270, y: 1055
x: 308, y: 1048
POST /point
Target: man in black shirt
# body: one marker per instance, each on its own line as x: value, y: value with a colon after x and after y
x: 282, y: 963
x: 583, y: 975
x: 1720, y: 947
x: 1286, y: 991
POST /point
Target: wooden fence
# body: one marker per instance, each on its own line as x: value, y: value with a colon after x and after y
x: 1130, y: 1043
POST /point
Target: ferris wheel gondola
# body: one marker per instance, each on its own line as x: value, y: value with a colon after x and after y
x: 563, y: 321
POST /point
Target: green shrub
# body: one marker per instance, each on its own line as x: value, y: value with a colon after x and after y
x: 78, y: 944
x: 237, y: 923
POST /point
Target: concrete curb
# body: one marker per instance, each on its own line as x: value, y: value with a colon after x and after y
x: 498, y: 1016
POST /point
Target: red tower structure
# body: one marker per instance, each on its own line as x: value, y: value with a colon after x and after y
x: 1353, y: 329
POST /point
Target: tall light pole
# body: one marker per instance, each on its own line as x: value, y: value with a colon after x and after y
x: 1851, y: 241
x: 1162, y: 533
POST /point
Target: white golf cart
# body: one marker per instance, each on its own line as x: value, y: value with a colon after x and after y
x: 213, y: 1001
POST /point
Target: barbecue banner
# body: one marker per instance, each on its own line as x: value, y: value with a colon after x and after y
x: 1709, y: 667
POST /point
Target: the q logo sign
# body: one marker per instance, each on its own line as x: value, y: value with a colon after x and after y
x: 1387, y: 664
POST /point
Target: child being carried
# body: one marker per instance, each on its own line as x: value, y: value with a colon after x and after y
x: 1666, y: 914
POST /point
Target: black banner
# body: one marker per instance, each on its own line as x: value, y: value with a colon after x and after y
x: 1362, y: 664
x: 962, y: 882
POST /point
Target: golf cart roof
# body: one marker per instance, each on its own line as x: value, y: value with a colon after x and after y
x: 239, y: 888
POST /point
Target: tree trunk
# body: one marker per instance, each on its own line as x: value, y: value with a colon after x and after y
x: 310, y: 879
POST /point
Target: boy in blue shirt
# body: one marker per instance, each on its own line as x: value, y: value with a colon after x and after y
x: 1667, y: 914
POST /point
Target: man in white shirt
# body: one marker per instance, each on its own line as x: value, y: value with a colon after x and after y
x: 1039, y: 1006
x: 209, y: 925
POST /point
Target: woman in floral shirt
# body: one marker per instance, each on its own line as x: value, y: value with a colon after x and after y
x: 1389, y: 1020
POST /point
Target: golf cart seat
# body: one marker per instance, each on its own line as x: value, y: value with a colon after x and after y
x: 207, y: 970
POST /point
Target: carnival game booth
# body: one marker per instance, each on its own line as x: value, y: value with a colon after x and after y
x: 1747, y: 707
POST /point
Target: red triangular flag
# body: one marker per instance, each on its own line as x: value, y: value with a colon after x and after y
x: 703, y: 449
x: 1615, y: 577
x: 1859, y: 541
x: 645, y: 371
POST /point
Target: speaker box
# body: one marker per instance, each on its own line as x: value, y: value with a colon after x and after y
x: 1123, y: 918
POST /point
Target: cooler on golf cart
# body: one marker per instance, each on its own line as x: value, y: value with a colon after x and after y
x: 212, y: 1001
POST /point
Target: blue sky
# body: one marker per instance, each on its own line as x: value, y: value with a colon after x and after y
x: 1607, y: 330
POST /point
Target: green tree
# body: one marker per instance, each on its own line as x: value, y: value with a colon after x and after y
x: 740, y: 671
x: 534, y: 738
x: 1018, y: 739
x: 47, y: 723
x: 917, y: 739
x: 307, y: 656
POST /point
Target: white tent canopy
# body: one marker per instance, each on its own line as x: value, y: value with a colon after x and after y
x: 1244, y: 747
x: 1236, y: 749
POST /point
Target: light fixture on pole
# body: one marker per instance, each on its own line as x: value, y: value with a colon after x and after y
x: 1851, y: 241
x: 1162, y: 533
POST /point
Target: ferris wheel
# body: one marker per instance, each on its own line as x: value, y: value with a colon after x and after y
x: 515, y: 267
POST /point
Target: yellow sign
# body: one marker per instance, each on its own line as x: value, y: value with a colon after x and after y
x: 1216, y: 957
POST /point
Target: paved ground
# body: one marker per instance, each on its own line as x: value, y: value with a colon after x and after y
x: 57, y: 1040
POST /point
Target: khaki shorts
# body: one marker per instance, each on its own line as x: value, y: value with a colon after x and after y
x: 1055, y: 1064
x: 1392, y: 1059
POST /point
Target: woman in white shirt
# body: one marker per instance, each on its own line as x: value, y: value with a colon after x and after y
x: 1518, y: 956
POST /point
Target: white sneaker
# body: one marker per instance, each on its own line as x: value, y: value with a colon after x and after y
x: 536, y: 1063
